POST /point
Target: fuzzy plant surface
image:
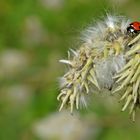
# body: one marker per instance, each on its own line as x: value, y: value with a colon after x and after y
x: 108, y: 59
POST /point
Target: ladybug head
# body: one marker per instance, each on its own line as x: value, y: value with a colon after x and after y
x: 131, y: 30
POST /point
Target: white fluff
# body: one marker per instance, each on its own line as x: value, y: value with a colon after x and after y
x: 105, y: 70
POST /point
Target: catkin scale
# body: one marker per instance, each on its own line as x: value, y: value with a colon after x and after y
x: 108, y: 58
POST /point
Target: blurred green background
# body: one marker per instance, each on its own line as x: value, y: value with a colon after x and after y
x: 34, y: 35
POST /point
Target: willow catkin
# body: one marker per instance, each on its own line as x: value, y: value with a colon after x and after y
x: 108, y: 59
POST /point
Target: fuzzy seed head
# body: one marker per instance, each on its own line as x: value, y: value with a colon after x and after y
x: 108, y: 59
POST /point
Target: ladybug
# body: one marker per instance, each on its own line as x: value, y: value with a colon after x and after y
x: 133, y: 28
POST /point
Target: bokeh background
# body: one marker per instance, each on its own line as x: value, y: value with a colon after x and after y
x: 34, y: 35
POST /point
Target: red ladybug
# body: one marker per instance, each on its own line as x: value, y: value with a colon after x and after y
x: 134, y: 28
